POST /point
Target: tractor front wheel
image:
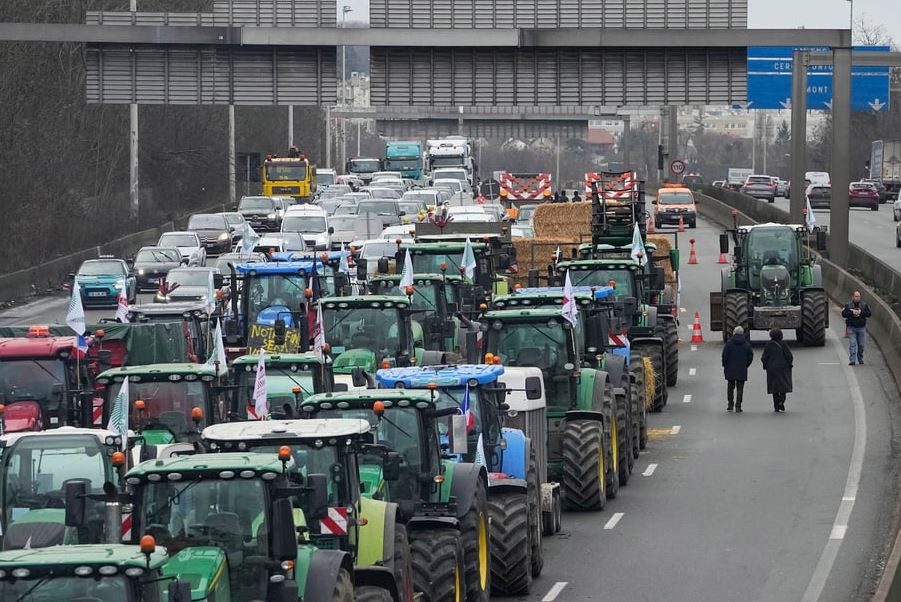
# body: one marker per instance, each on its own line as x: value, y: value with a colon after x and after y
x: 813, y: 318
x: 438, y: 569
x: 372, y: 593
x: 511, y: 554
x: 735, y: 313
x: 671, y: 349
x: 638, y: 399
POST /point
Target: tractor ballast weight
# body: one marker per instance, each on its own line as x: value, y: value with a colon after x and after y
x: 772, y: 283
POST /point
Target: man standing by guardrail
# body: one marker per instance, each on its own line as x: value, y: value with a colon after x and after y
x: 855, y: 314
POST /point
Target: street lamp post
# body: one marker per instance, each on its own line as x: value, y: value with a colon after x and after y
x: 344, y: 10
x: 851, y: 2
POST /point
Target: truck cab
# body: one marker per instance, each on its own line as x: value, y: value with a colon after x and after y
x: 404, y: 157
x: 292, y: 176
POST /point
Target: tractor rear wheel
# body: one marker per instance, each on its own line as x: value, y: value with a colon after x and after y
x: 639, y: 410
x: 474, y: 532
x: 402, y: 564
x: 584, y: 465
x: 438, y: 570
x: 535, y: 515
x: 735, y: 313
x: 372, y: 593
x: 623, y: 440
x: 511, y: 554
x: 671, y: 347
x: 657, y: 359
x: 813, y: 318
x: 344, y: 587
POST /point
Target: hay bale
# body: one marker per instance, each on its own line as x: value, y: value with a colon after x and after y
x: 563, y: 221
x: 664, y: 245
x: 650, y: 383
x: 538, y: 253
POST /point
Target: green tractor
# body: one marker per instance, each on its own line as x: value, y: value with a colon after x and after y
x: 369, y: 530
x: 588, y: 424
x: 169, y: 404
x: 444, y: 503
x: 100, y: 572
x: 290, y: 378
x: 35, y: 469
x: 772, y: 283
x: 227, y: 520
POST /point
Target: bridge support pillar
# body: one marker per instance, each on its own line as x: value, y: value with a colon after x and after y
x: 798, y: 135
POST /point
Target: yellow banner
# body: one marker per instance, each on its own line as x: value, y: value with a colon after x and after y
x: 263, y: 337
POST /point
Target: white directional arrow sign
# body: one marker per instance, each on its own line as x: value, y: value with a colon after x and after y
x: 828, y: 104
x: 876, y: 105
x: 786, y: 104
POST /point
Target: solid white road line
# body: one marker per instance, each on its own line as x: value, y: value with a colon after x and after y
x: 686, y: 398
x: 840, y: 525
x: 692, y: 371
x: 554, y: 591
x: 649, y: 470
x: 613, y: 520
x: 676, y: 429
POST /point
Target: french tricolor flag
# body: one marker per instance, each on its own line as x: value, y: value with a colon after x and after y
x: 466, y: 410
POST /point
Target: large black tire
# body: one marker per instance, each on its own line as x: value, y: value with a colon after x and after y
x: 612, y: 428
x: 671, y: 348
x: 535, y: 526
x: 813, y: 318
x: 584, y: 465
x: 639, y: 408
x: 372, y: 593
x: 438, y: 570
x: 511, y: 554
x: 623, y: 440
x: 402, y: 562
x: 344, y: 587
x: 735, y: 313
x: 657, y: 359
x: 474, y: 530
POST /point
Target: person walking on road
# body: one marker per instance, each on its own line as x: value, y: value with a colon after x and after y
x: 855, y: 315
x: 737, y: 356
x: 777, y: 360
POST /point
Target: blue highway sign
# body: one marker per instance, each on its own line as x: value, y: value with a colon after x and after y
x: 770, y: 77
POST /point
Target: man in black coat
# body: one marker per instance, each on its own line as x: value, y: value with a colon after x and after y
x: 856, y: 314
x: 737, y: 356
x: 777, y: 360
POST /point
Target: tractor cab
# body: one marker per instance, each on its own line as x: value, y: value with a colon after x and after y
x: 366, y: 332
x: 193, y: 317
x: 772, y: 262
x: 168, y: 406
x: 290, y: 378
x: 35, y: 470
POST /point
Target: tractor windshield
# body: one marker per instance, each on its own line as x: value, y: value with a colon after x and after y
x: 772, y: 246
x: 280, y: 382
x: 602, y: 277
x: 310, y: 459
x: 167, y: 403
x: 372, y: 328
x: 431, y: 263
x: 540, y: 345
x: 35, y: 470
x: 425, y: 296
x: 278, y: 293
x: 50, y: 589
x: 28, y: 379
x: 479, y: 407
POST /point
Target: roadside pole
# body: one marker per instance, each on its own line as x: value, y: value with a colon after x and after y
x: 841, y: 156
x: 799, y: 135
x: 231, y: 158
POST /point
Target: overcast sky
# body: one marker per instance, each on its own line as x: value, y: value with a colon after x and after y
x: 829, y: 14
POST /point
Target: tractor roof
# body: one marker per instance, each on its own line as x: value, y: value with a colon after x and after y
x: 63, y: 560
x: 293, y: 268
x: 795, y: 227
x: 283, y: 431
x: 201, y: 371
x: 102, y: 435
x: 357, y: 399
x: 532, y: 297
x: 525, y: 315
x: 443, y: 376
x: 376, y: 301
x: 208, y: 463
x: 417, y: 278
x: 309, y: 357
x: 595, y: 264
x: 36, y: 347
x: 304, y: 256
x: 435, y: 248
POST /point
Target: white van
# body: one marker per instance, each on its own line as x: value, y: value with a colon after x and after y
x: 818, y: 178
x: 311, y: 222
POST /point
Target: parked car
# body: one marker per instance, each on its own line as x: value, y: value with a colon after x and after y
x: 187, y: 243
x: 214, y: 232
x: 863, y: 194
x: 100, y: 281
x: 820, y: 197
x: 760, y: 187
x: 153, y: 264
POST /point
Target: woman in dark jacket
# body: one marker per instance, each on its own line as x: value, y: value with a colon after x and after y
x: 737, y: 356
x: 777, y: 361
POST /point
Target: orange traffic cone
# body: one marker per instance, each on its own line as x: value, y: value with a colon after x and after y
x: 696, y: 335
x: 681, y: 224
x: 692, y: 257
x: 651, y: 229
x: 723, y: 258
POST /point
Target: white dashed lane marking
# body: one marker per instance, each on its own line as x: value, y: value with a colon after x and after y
x: 613, y: 520
x: 692, y: 371
x: 686, y: 398
x: 676, y: 429
x: 554, y: 591
x: 649, y: 470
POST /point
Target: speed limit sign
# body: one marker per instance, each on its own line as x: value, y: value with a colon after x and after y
x: 677, y: 167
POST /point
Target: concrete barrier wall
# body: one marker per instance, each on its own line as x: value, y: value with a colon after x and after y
x: 884, y: 327
x: 50, y: 276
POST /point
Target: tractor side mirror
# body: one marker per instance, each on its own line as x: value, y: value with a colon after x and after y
x: 457, y: 435
x: 503, y: 261
x: 179, y: 591
x: 362, y: 268
x: 821, y: 240
x: 358, y: 378
x: 284, y: 536
x: 533, y: 387
x: 75, y: 492
x: 331, y: 229
x: 391, y: 466
x: 317, y: 498
x: 341, y: 281
x: 658, y: 280
x: 452, y: 308
x: 724, y: 243
x: 383, y: 265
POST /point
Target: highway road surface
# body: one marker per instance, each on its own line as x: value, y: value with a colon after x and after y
x: 723, y: 507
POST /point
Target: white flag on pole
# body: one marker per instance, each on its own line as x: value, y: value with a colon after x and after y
x: 118, y: 419
x: 218, y: 353
x: 248, y: 241
x: 811, y: 219
x: 319, y: 335
x: 260, y: 401
x: 122, y: 308
x: 638, y: 252
x: 570, y: 309
x: 468, y: 264
x: 406, y: 276
x: 480, y: 453
x: 75, y: 315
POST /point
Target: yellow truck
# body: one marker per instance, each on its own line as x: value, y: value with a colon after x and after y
x: 293, y: 176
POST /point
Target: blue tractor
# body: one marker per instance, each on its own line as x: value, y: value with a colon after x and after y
x: 514, y: 490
